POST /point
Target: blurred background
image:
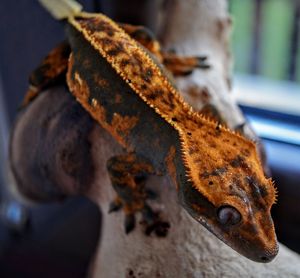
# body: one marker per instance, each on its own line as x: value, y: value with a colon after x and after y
x: 266, y: 49
x: 49, y: 239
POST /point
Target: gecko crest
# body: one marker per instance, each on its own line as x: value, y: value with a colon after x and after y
x: 221, y: 154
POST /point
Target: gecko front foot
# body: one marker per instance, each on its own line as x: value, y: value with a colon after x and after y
x: 150, y: 220
x: 153, y: 223
x: 128, y: 174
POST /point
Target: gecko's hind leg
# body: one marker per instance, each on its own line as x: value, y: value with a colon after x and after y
x: 178, y: 65
x: 51, y: 71
x: 145, y: 37
x: 128, y: 174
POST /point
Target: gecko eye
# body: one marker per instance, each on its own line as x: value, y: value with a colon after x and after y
x: 228, y: 215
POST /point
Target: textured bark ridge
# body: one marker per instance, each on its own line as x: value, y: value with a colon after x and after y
x: 192, y: 27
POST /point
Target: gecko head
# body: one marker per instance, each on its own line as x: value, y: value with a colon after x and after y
x: 241, y: 221
x: 225, y: 189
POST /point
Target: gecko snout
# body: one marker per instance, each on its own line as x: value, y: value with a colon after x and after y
x: 269, y: 255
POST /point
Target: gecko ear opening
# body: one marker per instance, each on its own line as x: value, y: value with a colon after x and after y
x: 228, y: 215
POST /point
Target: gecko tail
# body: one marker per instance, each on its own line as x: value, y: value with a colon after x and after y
x: 61, y: 9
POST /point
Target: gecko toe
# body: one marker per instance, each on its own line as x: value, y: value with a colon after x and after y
x: 154, y: 223
x: 129, y: 223
x: 159, y: 228
x: 115, y: 206
x: 202, y: 62
x: 151, y: 195
x: 148, y: 216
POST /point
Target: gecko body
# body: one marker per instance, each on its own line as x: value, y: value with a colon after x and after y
x: 216, y: 172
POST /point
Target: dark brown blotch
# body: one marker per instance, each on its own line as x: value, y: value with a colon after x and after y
x: 115, y: 51
x: 107, y: 41
x: 204, y: 175
x: 124, y: 62
x: 170, y: 98
x: 197, y: 160
x: 94, y: 25
x: 263, y: 191
x: 258, y: 191
x: 167, y: 102
x: 147, y: 75
x: 212, y: 144
x: 219, y: 171
x: 237, y: 162
x: 246, y: 152
x: 111, y: 32
x: 152, y: 96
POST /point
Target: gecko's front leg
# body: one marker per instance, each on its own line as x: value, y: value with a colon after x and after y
x: 128, y: 174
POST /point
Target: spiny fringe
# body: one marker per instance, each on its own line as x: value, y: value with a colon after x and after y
x: 184, y: 105
x: 272, y: 182
x: 180, y: 101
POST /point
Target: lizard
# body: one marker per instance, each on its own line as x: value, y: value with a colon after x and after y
x: 216, y: 172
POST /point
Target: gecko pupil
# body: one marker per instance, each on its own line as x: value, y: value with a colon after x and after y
x: 228, y: 215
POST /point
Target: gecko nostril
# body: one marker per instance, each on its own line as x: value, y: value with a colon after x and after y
x: 269, y: 254
x: 264, y: 258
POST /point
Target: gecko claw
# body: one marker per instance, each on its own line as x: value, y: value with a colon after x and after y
x: 151, y: 195
x: 148, y: 215
x: 202, y: 62
x: 115, y: 206
x: 160, y: 228
x: 240, y: 128
x: 129, y: 223
x: 154, y: 223
x: 202, y: 58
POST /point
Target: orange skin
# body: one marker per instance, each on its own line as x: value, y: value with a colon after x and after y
x: 217, y: 173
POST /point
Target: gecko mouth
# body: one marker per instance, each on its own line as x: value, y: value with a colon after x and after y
x: 270, y: 254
